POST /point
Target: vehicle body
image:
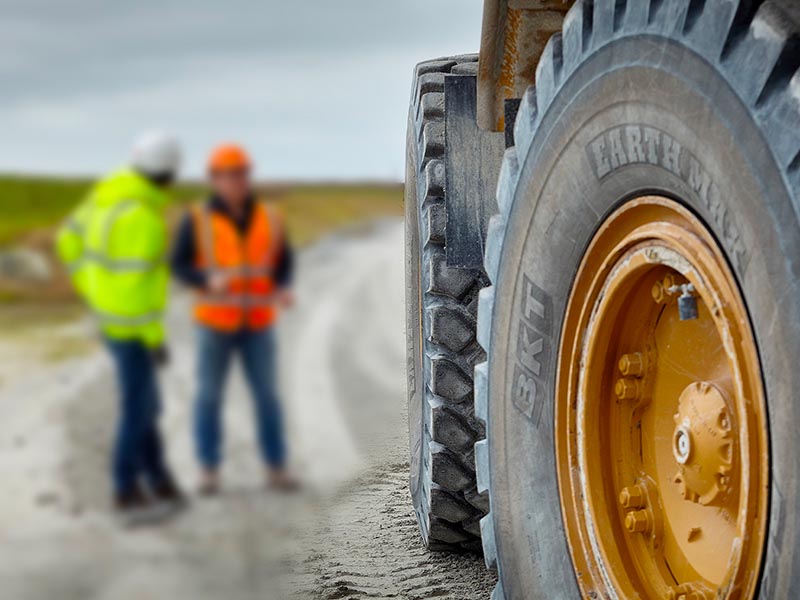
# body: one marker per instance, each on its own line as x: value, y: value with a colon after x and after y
x: 602, y: 217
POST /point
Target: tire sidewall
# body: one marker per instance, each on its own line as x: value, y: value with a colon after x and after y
x: 415, y: 376
x: 563, y: 194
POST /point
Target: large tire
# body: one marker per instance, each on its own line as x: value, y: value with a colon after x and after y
x: 721, y: 80
x: 441, y: 307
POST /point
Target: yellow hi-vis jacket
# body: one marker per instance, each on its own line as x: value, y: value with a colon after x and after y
x: 114, y: 245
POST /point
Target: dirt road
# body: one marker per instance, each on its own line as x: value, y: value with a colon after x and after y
x: 350, y: 534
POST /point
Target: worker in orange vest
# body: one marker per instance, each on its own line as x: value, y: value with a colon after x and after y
x: 233, y: 250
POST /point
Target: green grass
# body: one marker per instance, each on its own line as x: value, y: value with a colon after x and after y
x: 313, y: 211
x: 34, y: 203
x: 31, y: 203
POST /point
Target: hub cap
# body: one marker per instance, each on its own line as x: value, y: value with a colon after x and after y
x: 661, y: 430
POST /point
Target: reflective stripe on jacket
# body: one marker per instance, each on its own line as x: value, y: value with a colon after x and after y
x: 114, y: 246
x: 247, y: 258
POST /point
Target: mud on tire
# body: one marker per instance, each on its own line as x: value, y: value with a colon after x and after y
x: 720, y: 83
x: 441, y: 305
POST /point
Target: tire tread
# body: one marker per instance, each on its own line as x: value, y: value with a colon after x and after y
x: 449, y: 513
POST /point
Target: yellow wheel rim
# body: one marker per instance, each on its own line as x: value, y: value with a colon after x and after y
x: 661, y: 430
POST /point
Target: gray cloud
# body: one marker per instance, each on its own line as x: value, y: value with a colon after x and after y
x: 316, y: 88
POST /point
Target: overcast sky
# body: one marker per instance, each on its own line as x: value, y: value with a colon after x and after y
x: 315, y: 88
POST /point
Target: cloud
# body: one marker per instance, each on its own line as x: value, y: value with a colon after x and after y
x: 317, y: 88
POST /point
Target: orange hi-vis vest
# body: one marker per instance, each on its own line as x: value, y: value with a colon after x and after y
x: 249, y: 259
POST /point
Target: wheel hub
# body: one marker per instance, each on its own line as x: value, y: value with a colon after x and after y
x: 703, y: 443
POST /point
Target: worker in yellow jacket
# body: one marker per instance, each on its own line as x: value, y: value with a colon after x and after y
x: 114, y: 245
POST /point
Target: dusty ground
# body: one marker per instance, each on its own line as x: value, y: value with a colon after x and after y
x: 350, y: 534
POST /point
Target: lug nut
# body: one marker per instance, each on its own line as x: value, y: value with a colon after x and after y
x: 659, y: 295
x: 632, y: 365
x: 627, y: 388
x: 661, y: 289
x: 632, y: 497
x: 637, y: 521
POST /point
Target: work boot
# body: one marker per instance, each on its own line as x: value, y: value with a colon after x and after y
x: 280, y: 480
x: 209, y: 483
x: 134, y: 508
x: 168, y: 493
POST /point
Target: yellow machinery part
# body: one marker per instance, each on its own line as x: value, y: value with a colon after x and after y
x: 661, y: 426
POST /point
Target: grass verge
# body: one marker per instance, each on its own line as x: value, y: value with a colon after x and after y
x: 32, y: 207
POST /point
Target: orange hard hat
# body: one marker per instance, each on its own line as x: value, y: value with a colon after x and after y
x: 228, y: 157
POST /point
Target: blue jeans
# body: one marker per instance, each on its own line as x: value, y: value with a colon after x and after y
x: 138, y: 450
x: 258, y: 353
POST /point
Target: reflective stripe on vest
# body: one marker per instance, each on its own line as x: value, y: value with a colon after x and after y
x: 118, y: 265
x: 101, y: 257
x: 121, y: 264
x: 132, y: 321
x: 236, y: 300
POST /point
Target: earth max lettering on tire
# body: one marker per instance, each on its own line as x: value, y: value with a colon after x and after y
x: 626, y: 145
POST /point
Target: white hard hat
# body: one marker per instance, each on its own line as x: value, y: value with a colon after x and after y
x: 156, y: 153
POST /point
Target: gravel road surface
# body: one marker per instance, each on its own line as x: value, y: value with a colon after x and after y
x: 349, y: 534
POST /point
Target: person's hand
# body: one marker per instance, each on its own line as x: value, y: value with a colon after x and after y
x: 218, y: 283
x: 285, y: 298
x: 160, y: 355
